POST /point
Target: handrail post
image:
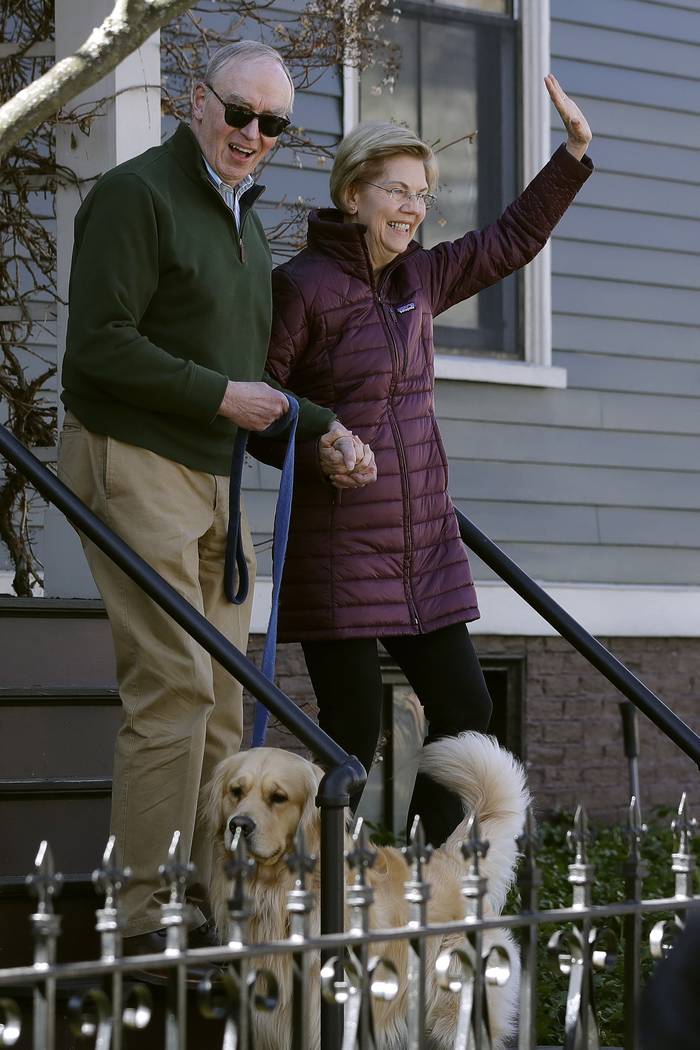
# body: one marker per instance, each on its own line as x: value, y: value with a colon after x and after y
x: 333, y: 796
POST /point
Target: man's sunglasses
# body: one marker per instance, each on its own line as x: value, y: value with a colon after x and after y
x: 240, y: 117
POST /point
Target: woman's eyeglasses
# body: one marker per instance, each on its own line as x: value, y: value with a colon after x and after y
x: 401, y: 196
x: 239, y: 117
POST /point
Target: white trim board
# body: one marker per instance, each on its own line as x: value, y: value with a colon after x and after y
x: 483, y: 370
x: 607, y: 610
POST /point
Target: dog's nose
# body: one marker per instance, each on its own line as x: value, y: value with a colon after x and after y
x: 246, y: 824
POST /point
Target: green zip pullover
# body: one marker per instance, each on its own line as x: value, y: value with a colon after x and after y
x: 168, y: 302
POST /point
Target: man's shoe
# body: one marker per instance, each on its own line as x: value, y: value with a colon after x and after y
x: 154, y: 944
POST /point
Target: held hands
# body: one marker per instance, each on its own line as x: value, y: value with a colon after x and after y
x: 253, y: 406
x: 344, y: 459
x: 576, y: 125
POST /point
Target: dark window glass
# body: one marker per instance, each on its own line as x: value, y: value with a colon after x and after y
x: 456, y: 76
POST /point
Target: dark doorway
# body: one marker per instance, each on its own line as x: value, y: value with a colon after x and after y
x: 505, y: 680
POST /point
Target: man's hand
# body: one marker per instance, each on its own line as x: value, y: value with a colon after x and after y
x: 577, y: 127
x: 253, y: 406
x: 345, y: 460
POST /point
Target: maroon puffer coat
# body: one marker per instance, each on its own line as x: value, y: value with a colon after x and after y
x: 386, y: 559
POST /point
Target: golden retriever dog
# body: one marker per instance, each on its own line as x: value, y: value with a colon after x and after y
x: 269, y: 793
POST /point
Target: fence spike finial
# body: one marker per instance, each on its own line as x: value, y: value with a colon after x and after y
x: 176, y: 916
x: 177, y: 872
x: 636, y: 828
x: 474, y: 848
x: 684, y: 826
x: 579, y: 837
x: 240, y: 865
x: 683, y: 859
x: 580, y: 871
x: 299, y: 862
x: 528, y: 841
x: 45, y: 882
x: 362, y: 855
x: 110, y: 879
x: 418, y: 852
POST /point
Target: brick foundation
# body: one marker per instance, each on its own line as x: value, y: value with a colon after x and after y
x: 572, y: 728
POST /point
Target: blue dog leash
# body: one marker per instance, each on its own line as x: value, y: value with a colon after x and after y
x: 235, y: 566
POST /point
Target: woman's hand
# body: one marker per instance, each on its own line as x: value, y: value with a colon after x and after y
x: 345, y: 460
x: 576, y: 125
x: 363, y: 473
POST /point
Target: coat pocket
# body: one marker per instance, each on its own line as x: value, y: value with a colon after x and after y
x: 441, y: 451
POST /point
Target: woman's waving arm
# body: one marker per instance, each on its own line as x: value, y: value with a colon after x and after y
x: 459, y: 269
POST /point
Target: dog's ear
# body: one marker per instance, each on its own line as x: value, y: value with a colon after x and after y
x: 212, y: 797
x: 310, y: 821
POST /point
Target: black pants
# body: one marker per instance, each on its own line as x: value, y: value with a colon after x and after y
x: 444, y: 672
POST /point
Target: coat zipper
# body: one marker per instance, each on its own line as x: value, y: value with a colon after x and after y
x: 401, y: 359
x: 408, y: 531
x: 239, y: 235
x: 408, y: 537
x: 392, y: 339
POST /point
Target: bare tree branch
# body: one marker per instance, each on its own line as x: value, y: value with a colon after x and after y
x: 123, y: 31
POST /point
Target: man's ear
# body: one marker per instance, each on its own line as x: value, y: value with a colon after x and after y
x: 198, y: 98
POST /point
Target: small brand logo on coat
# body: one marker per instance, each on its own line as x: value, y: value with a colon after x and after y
x: 405, y: 308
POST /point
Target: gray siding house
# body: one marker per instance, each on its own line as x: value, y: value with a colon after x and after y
x: 569, y: 398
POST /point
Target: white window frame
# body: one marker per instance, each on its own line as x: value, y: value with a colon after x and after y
x: 536, y: 369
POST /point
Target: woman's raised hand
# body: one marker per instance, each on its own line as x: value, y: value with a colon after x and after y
x: 576, y: 125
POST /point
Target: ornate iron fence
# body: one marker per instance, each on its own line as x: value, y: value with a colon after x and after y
x: 235, y: 991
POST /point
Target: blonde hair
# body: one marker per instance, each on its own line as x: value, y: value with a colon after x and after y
x: 363, y: 151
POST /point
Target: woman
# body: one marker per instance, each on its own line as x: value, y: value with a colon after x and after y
x: 353, y: 331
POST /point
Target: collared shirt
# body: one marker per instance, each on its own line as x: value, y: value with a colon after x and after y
x: 231, y: 194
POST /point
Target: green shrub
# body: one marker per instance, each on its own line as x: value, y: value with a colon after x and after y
x: 607, y: 852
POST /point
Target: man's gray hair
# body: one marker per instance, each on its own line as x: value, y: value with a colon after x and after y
x: 246, y: 51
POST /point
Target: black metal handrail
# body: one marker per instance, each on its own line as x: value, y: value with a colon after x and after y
x: 345, y: 775
x: 589, y: 647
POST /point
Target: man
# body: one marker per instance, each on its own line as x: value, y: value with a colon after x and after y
x: 166, y: 345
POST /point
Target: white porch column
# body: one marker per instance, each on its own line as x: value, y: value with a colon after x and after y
x: 537, y: 276
x: 129, y: 123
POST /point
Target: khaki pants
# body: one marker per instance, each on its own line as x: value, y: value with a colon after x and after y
x: 182, y: 713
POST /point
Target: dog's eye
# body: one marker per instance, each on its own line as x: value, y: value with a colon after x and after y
x: 236, y: 792
x: 278, y: 798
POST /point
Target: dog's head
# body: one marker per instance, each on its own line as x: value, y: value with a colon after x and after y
x: 268, y: 793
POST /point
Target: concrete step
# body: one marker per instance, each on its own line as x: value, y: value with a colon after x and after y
x: 52, y: 642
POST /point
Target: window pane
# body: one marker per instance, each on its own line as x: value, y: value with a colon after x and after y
x: 435, y: 94
x: 448, y: 113
x: 455, y: 77
x: 377, y: 100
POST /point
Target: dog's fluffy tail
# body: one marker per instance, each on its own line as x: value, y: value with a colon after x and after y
x: 492, y: 783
